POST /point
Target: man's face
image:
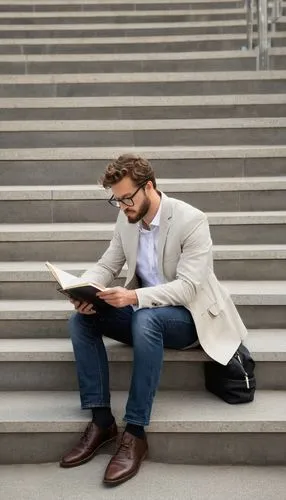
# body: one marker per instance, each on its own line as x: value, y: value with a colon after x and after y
x: 126, y: 188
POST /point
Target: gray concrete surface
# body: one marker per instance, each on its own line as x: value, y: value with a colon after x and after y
x: 153, y: 482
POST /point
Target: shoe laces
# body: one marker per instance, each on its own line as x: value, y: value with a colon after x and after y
x: 124, y: 449
x: 85, y: 436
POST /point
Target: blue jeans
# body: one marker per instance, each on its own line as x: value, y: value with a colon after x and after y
x: 148, y: 331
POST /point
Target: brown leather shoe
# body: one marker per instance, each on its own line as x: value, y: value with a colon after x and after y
x: 127, y: 459
x: 92, y: 439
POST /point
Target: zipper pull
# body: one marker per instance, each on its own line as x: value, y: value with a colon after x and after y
x: 245, y: 373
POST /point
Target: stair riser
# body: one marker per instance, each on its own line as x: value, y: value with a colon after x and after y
x: 218, y: 448
x: 90, y: 250
x: 188, y: 448
x: 109, y: 32
x: 278, y: 42
x: 124, y: 48
x: 59, y: 172
x: 121, y: 6
x: 128, y: 138
x: 254, y: 317
x: 209, y: 64
x: 142, y: 89
x: 146, y: 112
x: 225, y: 270
x: 61, y: 376
x: 35, y: 328
x: 126, y: 19
x: 37, y: 211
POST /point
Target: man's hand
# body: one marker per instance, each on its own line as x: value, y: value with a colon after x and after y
x: 83, y: 307
x: 118, y: 296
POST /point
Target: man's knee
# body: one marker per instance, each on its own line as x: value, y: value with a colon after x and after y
x: 79, y: 325
x: 146, y: 325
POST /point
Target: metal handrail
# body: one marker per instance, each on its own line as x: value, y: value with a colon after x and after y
x: 263, y: 23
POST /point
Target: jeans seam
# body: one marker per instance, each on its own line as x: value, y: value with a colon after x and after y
x: 135, y: 422
x: 89, y: 406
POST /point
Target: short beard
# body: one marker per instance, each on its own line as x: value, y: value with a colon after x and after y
x: 141, y: 213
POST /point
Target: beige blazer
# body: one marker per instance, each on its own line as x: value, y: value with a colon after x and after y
x: 186, y: 265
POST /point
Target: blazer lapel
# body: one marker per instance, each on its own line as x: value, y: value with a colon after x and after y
x: 165, y: 222
x: 133, y: 240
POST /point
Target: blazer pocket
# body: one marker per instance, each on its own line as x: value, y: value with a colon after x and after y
x: 214, y: 309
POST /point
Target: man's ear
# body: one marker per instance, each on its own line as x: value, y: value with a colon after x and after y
x: 149, y: 186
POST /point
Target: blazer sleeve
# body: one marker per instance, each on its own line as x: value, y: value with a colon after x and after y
x: 110, y: 264
x: 192, y: 269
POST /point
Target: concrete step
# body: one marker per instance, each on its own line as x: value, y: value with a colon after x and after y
x: 122, y: 16
x: 201, y: 83
x: 180, y: 62
x: 281, y: 23
x: 136, y: 44
x: 197, y: 132
x: 143, y: 44
x: 83, y: 203
x: 260, y: 303
x: 216, y: 26
x: 204, y: 481
x: 51, y: 241
x: 48, y: 364
x: 232, y: 262
x: 115, y: 29
x: 58, y: 166
x: 143, y: 107
x: 146, y: 84
x: 184, y: 425
x: 90, y: 5
x: 231, y: 60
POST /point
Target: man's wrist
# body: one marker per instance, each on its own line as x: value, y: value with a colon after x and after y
x: 133, y: 298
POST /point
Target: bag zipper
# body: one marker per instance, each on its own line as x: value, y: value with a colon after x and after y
x: 245, y: 373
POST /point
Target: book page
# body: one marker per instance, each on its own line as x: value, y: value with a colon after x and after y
x: 80, y: 285
x: 62, y: 277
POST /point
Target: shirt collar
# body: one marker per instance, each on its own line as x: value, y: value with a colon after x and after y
x: 156, y: 220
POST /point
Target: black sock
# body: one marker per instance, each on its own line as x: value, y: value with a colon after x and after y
x: 135, y: 430
x: 102, y: 416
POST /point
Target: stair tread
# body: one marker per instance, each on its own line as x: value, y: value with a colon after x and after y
x: 103, y: 2
x: 125, y: 13
x: 96, y: 191
x: 104, y: 230
x: 265, y: 345
x: 136, y: 101
x: 203, y: 481
x: 196, y: 152
x: 243, y: 293
x: 129, y: 125
x: 122, y: 26
x: 36, y: 270
x: 153, y: 76
x: 174, y: 411
x: 95, y: 40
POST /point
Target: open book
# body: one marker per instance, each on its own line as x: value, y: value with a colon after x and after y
x: 76, y: 288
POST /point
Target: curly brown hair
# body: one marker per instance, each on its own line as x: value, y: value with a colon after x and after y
x: 137, y: 168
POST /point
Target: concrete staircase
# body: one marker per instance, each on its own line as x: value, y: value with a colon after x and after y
x: 81, y: 81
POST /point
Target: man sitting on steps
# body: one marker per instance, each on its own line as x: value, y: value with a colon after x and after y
x: 171, y: 299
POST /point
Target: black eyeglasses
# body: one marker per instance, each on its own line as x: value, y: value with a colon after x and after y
x: 128, y: 201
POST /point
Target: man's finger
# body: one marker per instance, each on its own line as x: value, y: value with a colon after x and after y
x: 107, y: 293
x: 87, y: 307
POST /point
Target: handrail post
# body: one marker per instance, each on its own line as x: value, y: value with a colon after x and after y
x: 249, y: 21
x: 263, y: 45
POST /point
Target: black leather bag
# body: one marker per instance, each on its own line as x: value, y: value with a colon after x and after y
x: 234, y: 383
